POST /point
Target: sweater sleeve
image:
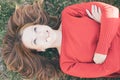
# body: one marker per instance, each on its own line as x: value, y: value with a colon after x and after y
x: 108, y: 30
x: 109, y: 22
x: 89, y: 70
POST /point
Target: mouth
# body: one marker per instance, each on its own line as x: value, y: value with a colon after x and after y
x: 48, y: 35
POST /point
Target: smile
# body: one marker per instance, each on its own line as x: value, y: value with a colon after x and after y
x: 48, y: 34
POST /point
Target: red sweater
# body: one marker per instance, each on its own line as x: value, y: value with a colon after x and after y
x: 82, y: 37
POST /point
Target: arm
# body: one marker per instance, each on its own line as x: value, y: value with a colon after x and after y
x: 111, y: 12
x: 76, y: 68
x: 89, y: 70
x: 95, y: 14
x: 109, y: 21
x: 108, y: 29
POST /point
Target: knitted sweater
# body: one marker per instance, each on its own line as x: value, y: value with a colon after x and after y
x: 82, y: 37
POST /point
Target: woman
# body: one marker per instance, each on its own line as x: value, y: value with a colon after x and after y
x: 25, y: 61
x: 28, y: 33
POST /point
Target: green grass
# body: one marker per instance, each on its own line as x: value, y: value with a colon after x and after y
x: 53, y: 7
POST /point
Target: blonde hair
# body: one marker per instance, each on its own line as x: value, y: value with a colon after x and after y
x: 16, y: 56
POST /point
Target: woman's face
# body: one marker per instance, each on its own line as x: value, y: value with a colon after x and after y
x: 39, y: 37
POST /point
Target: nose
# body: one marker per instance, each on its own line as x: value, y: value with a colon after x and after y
x: 42, y: 34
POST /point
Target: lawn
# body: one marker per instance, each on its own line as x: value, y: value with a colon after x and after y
x: 54, y: 8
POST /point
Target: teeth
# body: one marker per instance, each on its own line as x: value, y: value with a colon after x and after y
x: 48, y: 39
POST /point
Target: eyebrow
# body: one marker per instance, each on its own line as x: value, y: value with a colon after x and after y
x: 35, y: 29
x: 33, y: 41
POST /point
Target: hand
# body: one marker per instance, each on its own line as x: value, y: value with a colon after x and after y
x: 99, y: 58
x: 95, y: 14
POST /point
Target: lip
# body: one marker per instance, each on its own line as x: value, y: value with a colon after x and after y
x: 48, y: 34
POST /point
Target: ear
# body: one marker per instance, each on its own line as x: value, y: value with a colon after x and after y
x: 40, y: 49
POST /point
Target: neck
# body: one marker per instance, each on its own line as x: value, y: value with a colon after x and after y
x: 58, y: 39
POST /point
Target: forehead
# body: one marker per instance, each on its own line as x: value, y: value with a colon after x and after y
x: 27, y: 36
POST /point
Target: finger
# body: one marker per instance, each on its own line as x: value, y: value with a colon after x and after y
x: 95, y: 9
x: 99, y: 10
x: 89, y: 14
x: 92, y: 9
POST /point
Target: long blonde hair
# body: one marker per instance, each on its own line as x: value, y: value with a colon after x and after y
x: 20, y: 59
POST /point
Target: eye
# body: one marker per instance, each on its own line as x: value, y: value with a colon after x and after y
x: 34, y: 41
x: 46, y: 40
